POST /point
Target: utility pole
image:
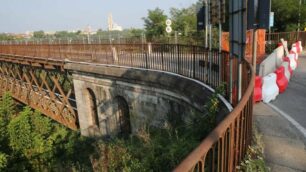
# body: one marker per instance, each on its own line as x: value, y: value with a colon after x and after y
x: 206, y: 21
x: 299, y: 23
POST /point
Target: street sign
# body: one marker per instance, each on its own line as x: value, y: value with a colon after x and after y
x: 271, y: 19
x: 168, y: 29
x: 168, y: 22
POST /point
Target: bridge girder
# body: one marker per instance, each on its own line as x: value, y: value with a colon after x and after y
x: 41, y: 86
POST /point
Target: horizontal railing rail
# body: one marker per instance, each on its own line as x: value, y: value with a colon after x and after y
x: 224, y: 148
x: 290, y: 37
x: 209, y: 67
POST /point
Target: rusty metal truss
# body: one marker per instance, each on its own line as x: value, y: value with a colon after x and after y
x: 42, y: 86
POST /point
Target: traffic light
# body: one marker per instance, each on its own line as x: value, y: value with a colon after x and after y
x: 201, y: 20
x: 264, y: 14
x: 258, y: 14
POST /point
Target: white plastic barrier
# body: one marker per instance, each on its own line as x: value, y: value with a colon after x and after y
x: 270, y: 89
x: 300, y: 44
x: 294, y: 49
x: 293, y: 63
x: 287, y: 72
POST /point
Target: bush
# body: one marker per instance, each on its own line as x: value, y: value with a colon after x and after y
x: 254, y: 160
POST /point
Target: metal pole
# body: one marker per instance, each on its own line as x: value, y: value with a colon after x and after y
x: 254, y: 47
x: 220, y: 40
x: 206, y: 24
x: 299, y: 23
x: 269, y: 23
x: 210, y: 43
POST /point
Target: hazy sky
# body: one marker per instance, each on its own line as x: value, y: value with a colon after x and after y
x: 52, y: 15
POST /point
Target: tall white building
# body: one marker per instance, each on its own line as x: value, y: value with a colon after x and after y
x: 112, y: 26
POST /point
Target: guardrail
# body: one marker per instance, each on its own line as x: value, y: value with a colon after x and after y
x: 290, y: 37
x: 226, y: 145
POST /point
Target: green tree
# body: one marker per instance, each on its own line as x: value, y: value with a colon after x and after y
x: 286, y: 15
x: 135, y: 32
x: 185, y: 20
x: 35, y: 137
x: 3, y: 161
x: 6, y: 37
x: 7, y: 110
x: 39, y: 34
x: 155, y: 23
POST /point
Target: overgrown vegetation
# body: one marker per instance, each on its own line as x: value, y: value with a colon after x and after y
x: 30, y: 141
x: 254, y: 159
x: 155, y: 149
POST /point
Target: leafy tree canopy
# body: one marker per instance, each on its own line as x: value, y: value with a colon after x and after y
x: 286, y: 15
x: 155, y: 23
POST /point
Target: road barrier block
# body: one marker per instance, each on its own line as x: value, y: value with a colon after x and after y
x: 294, y: 50
x: 270, y: 89
x: 293, y: 61
x: 258, y: 89
x: 298, y: 46
x: 288, y: 74
x: 301, y: 47
x: 286, y: 59
x: 281, y: 80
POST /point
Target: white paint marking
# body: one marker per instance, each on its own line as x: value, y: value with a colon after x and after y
x: 290, y: 119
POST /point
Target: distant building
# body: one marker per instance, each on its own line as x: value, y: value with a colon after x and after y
x: 50, y: 33
x: 112, y: 26
x: 88, y: 31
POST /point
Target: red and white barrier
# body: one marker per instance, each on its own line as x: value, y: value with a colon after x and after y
x: 295, y: 51
x: 288, y: 70
x: 281, y: 79
x: 258, y: 89
x: 269, y: 88
x: 277, y: 82
x: 286, y: 59
x: 293, y: 61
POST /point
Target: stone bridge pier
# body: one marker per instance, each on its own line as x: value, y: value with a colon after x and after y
x: 114, y: 100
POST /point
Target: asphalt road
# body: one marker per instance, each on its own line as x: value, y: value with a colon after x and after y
x: 293, y: 100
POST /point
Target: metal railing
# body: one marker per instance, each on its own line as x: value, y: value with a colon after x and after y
x: 226, y: 145
x: 274, y: 38
x: 196, y: 62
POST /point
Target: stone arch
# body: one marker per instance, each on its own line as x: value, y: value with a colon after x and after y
x: 122, y: 115
x: 93, y: 110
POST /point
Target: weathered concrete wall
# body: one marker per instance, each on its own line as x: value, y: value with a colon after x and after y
x: 270, y: 64
x: 151, y: 97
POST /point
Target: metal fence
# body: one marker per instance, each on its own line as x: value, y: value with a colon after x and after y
x: 274, y: 38
x: 226, y: 145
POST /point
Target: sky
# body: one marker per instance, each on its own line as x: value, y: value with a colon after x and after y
x: 19, y: 16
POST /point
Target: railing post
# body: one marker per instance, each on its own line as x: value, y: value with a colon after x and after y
x: 231, y: 80
x: 162, y: 56
x: 193, y: 61
x: 146, y: 56
x: 178, y: 59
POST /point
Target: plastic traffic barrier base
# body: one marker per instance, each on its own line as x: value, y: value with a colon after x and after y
x: 281, y: 80
x: 287, y: 59
x: 298, y: 46
x: 293, y: 61
x: 258, y: 89
x: 270, y: 89
x: 286, y: 65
